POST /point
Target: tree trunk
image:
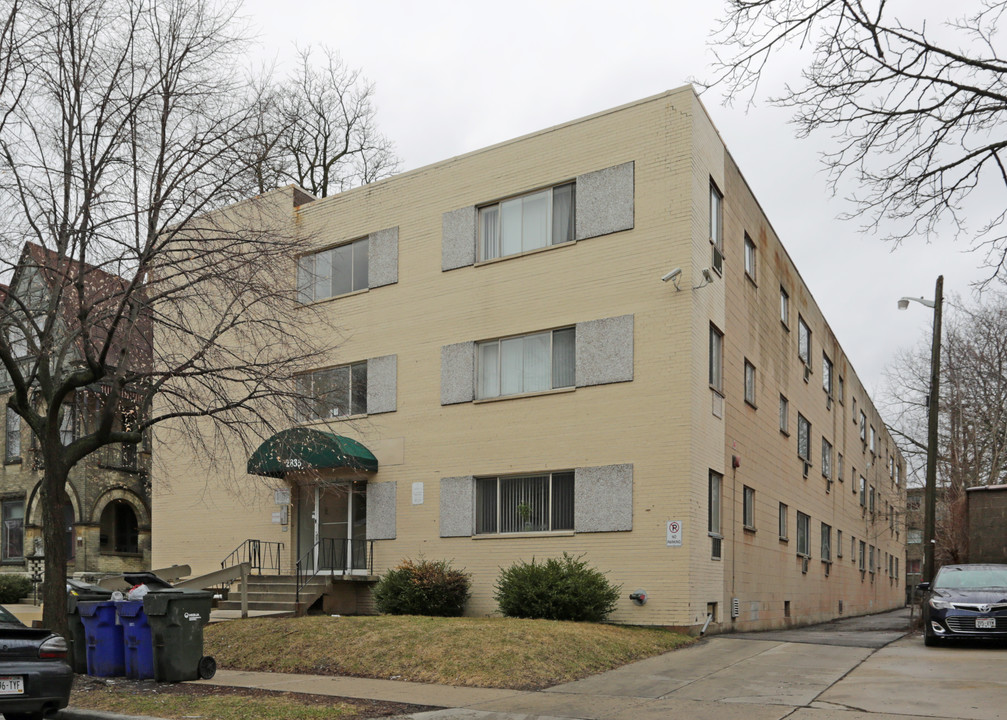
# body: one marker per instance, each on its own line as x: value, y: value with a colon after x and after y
x: 54, y: 539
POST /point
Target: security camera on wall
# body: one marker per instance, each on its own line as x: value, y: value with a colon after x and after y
x: 707, y: 275
x: 673, y: 275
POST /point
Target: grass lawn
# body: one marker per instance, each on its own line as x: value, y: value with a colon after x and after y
x: 475, y: 652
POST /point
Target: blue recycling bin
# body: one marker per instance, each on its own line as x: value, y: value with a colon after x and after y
x: 103, y: 636
x: 138, y: 647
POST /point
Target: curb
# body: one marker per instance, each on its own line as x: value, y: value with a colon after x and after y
x: 71, y: 713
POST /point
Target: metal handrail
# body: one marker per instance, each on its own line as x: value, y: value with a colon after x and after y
x: 259, y: 554
x: 342, y: 555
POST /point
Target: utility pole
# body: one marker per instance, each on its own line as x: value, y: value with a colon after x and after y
x: 932, y: 417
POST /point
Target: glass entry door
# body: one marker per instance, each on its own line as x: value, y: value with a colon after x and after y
x: 333, y: 519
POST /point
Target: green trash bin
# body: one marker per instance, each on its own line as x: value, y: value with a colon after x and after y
x: 176, y: 618
x: 76, y: 592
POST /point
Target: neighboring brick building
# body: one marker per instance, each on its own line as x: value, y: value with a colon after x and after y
x: 107, y: 507
x: 514, y: 380
x: 987, y: 523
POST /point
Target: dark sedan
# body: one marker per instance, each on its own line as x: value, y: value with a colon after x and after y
x: 35, y: 679
x: 966, y: 602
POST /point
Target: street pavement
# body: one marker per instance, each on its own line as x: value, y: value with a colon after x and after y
x: 854, y: 669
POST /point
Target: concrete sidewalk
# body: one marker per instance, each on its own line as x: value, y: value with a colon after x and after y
x: 445, y: 696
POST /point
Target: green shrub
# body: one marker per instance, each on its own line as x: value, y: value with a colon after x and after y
x: 557, y: 589
x: 426, y: 587
x: 13, y: 588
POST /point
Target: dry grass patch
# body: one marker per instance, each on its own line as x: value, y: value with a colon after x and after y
x: 475, y: 652
x: 181, y: 701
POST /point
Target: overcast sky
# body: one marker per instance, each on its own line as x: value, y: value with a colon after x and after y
x: 452, y: 77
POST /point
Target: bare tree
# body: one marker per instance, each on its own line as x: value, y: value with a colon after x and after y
x: 972, y: 436
x: 123, y: 132
x: 916, y: 116
x: 322, y: 128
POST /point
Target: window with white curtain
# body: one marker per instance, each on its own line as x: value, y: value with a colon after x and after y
x: 528, y: 222
x: 525, y: 364
x: 803, y: 533
x: 524, y: 503
x: 336, y: 271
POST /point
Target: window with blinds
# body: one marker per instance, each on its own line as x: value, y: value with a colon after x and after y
x: 524, y: 503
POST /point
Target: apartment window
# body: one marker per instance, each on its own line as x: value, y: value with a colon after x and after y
x: 863, y: 427
x: 803, y: 438
x: 839, y: 467
x: 717, y: 227
x: 750, y: 258
x: 528, y: 222
x: 13, y: 450
x: 748, y: 510
x: 335, y: 392
x: 839, y: 543
x: 870, y: 561
x: 12, y: 513
x: 527, y: 503
x: 827, y: 374
x: 826, y: 459
x: 784, y: 308
x: 896, y: 568
x: 914, y: 537
x: 898, y: 474
x: 862, y: 561
x: 783, y: 521
x: 914, y: 566
x: 716, y: 359
x: 336, y: 271
x: 713, y: 512
x: 841, y: 388
x: 853, y: 549
x: 784, y: 415
x: 826, y: 542
x: 863, y: 492
x: 749, y: 383
x: 871, y: 496
x: 525, y: 364
x: 803, y: 341
x: 873, y: 443
x: 803, y: 543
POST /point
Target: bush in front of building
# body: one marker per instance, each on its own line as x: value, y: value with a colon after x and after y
x: 13, y: 588
x: 564, y: 588
x: 427, y: 587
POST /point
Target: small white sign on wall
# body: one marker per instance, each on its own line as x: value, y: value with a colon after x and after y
x: 417, y: 493
x: 674, y: 535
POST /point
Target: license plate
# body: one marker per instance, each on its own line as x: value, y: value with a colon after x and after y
x: 11, y: 685
x: 986, y: 623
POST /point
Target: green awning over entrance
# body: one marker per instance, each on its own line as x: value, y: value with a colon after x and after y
x: 306, y: 449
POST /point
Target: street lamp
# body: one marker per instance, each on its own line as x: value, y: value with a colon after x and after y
x: 932, y: 410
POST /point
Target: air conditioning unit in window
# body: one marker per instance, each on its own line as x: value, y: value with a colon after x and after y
x: 807, y: 468
x: 807, y: 372
x: 828, y: 402
x: 804, y: 565
x: 827, y: 566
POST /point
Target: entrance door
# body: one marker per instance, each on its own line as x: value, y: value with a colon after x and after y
x: 333, y: 518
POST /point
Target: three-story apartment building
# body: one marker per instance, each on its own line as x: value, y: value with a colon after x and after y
x: 514, y: 380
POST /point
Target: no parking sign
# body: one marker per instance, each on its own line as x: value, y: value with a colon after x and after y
x: 674, y: 534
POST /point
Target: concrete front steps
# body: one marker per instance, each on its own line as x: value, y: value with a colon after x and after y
x: 344, y: 595
x: 276, y: 593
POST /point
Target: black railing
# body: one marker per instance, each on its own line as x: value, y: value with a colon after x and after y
x: 332, y: 555
x: 259, y: 554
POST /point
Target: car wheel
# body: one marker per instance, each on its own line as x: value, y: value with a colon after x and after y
x: 929, y: 639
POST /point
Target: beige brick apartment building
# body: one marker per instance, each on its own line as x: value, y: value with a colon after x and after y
x: 514, y: 380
